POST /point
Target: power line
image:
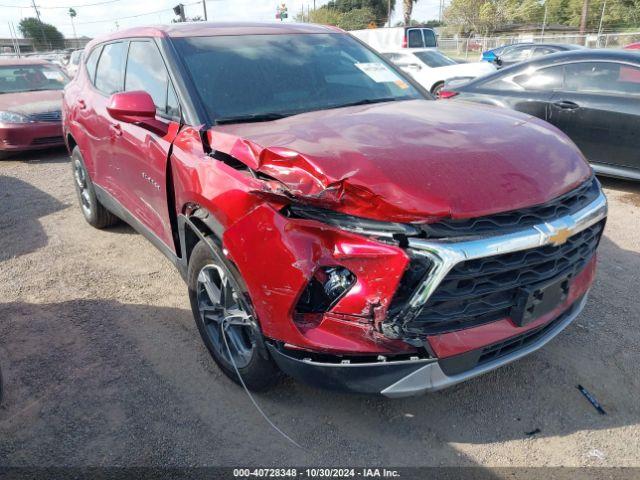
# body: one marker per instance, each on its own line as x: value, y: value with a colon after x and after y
x: 63, y: 6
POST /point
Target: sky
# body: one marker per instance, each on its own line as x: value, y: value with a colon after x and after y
x: 92, y: 19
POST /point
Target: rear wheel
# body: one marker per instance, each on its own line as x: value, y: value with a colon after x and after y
x: 226, y: 321
x: 94, y: 212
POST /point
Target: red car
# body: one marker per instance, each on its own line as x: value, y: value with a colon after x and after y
x: 633, y: 46
x: 30, y: 100
x: 331, y: 220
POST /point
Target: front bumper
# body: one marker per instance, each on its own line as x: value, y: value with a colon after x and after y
x: 415, y: 376
x: 30, y: 136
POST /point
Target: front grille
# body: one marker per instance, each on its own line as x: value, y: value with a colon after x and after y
x: 566, y: 204
x: 46, y: 116
x: 483, y: 290
x: 47, y: 140
x: 475, y: 358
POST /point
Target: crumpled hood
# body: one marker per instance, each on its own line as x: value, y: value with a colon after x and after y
x: 28, y: 103
x: 409, y: 161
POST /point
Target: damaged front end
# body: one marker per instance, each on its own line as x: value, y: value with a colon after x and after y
x: 321, y: 279
x: 409, y: 304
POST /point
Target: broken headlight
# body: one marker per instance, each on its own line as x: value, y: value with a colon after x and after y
x: 324, y: 290
x: 351, y: 223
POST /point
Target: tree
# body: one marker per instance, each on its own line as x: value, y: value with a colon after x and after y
x: 357, y: 19
x: 407, y: 8
x: 43, y: 35
x: 380, y: 8
x: 322, y: 16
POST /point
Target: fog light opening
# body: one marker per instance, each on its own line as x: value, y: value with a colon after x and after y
x: 324, y: 290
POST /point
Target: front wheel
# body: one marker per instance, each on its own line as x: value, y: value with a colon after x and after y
x: 93, y: 211
x: 226, y: 321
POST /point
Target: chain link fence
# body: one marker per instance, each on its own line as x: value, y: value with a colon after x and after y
x: 471, y: 48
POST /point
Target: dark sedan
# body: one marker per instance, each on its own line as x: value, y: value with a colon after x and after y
x: 521, y: 52
x: 591, y: 95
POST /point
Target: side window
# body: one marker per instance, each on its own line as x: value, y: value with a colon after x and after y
x: 109, y: 71
x: 146, y: 71
x: 549, y: 78
x: 606, y: 78
x: 414, y: 38
x: 516, y: 54
x: 429, y: 38
x: 540, y: 51
x: 92, y: 61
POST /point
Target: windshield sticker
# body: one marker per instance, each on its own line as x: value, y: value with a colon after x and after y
x: 53, y: 75
x: 378, y: 72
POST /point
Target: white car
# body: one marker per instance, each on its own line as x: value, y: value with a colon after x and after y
x: 431, y: 68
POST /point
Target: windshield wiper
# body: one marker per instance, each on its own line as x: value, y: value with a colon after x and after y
x: 368, y: 101
x: 258, y: 117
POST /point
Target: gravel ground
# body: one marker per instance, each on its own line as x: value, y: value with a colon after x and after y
x: 103, y: 364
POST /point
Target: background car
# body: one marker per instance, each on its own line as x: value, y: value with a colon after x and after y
x: 431, y: 68
x: 73, y: 63
x: 633, y: 46
x: 521, y: 52
x: 30, y: 104
x: 591, y: 95
x: 491, y: 55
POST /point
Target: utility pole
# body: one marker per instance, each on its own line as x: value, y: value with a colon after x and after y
x: 604, y: 5
x: 544, y: 22
x: 389, y: 14
x: 204, y: 9
x: 583, y: 17
x: 44, y: 37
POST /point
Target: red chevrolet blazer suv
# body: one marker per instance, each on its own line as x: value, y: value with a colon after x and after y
x: 330, y: 219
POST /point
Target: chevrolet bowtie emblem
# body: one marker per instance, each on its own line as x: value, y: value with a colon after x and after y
x: 559, y: 236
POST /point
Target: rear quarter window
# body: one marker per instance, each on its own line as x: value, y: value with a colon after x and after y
x: 109, y: 73
x: 92, y: 62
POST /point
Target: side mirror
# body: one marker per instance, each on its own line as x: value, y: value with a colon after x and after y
x: 497, y: 61
x: 136, y: 107
x: 131, y: 107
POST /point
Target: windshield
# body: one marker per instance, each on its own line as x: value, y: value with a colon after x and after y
x: 270, y: 76
x: 434, y: 59
x: 31, y: 78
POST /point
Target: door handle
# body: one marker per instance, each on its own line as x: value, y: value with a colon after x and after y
x: 566, y: 105
x: 81, y: 104
x: 116, y: 129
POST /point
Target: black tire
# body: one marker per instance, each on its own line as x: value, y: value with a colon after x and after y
x: 435, y: 91
x: 258, y: 371
x: 93, y: 211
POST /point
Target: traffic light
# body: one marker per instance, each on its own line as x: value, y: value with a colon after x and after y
x: 179, y: 10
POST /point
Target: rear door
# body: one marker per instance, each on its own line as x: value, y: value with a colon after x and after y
x: 599, y: 108
x: 106, y: 151
x: 144, y: 153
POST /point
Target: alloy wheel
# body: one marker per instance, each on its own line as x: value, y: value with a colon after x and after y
x: 80, y: 176
x: 221, y: 310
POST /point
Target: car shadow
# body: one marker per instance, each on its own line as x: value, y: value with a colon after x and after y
x: 50, y: 155
x: 21, y: 205
x: 628, y: 186
x: 93, y: 381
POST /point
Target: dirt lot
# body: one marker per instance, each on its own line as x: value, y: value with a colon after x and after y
x: 103, y: 364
